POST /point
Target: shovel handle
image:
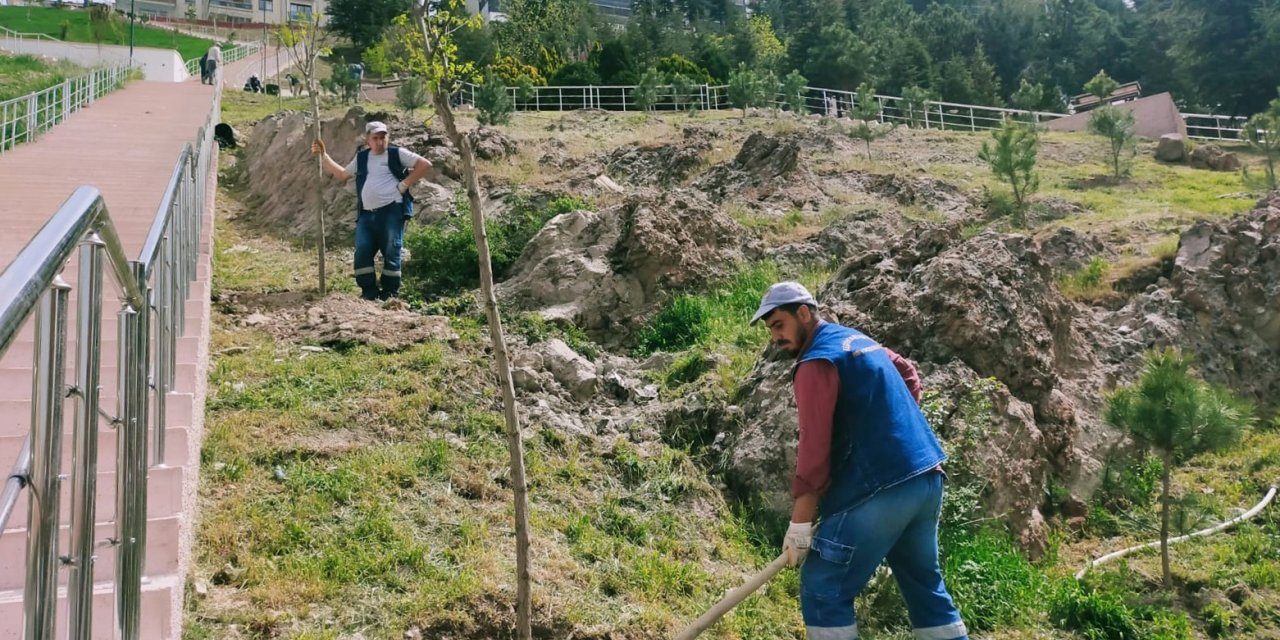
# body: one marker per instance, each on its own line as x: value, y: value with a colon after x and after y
x: 732, y: 599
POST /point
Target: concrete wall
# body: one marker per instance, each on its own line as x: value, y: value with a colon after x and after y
x: 162, y: 65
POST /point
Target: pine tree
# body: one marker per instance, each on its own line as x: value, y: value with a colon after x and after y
x: 1178, y: 416
x: 1012, y: 158
x: 493, y: 102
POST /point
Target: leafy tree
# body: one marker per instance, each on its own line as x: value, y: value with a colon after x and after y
x: 511, y: 71
x: 615, y: 64
x: 1028, y: 97
x: 363, y: 21
x: 1012, y: 158
x: 375, y: 59
x: 678, y: 64
x: 646, y: 91
x: 1262, y: 132
x: 493, y: 102
x: 306, y: 42
x: 525, y: 91
x: 793, y: 89
x: 1117, y: 126
x: 867, y: 125
x: 575, y: 74
x: 684, y: 93
x: 411, y: 95
x: 436, y: 59
x: 1101, y: 86
x: 103, y: 23
x: 746, y: 89
x: 1178, y: 416
x: 915, y: 106
x: 710, y: 55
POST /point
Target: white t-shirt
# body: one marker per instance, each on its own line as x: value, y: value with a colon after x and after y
x: 380, y: 188
x: 215, y: 54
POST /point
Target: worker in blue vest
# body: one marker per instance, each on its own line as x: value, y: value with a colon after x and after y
x: 383, y: 173
x: 868, y: 469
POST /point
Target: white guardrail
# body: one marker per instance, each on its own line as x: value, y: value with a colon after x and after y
x: 932, y: 114
x: 23, y: 119
x: 238, y: 52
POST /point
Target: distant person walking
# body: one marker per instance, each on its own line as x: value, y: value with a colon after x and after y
x: 204, y: 67
x: 383, y: 173
x: 213, y: 60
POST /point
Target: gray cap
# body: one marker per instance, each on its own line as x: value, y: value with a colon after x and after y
x: 375, y: 127
x: 780, y: 294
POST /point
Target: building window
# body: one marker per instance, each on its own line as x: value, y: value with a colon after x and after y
x: 299, y: 11
x: 267, y: 5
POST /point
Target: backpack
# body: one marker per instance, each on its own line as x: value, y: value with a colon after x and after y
x: 397, y: 169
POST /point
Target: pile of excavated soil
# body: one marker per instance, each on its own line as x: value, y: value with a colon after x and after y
x: 341, y: 320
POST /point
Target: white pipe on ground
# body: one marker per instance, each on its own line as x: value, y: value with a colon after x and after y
x: 1204, y: 532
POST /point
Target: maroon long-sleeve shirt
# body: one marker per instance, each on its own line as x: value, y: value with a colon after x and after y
x: 817, y: 385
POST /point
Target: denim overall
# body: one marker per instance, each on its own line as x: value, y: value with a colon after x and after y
x: 380, y: 230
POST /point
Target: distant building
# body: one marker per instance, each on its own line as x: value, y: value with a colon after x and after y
x: 1127, y: 92
x: 234, y: 11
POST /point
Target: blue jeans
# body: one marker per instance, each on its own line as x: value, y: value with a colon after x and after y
x: 379, y: 231
x: 900, y: 525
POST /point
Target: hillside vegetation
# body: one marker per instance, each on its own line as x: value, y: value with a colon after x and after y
x: 21, y: 75
x: 358, y: 490
x: 74, y: 25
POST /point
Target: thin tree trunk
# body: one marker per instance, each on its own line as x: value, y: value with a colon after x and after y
x: 519, y: 488
x: 1164, y: 525
x: 320, y: 241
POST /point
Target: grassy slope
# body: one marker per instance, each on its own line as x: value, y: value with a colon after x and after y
x: 21, y: 75
x: 365, y: 491
x: 49, y: 22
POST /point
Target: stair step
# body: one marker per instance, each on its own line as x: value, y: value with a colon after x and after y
x: 159, y: 596
x: 15, y: 415
x: 162, y: 552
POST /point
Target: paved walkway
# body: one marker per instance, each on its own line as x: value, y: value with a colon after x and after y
x: 126, y: 145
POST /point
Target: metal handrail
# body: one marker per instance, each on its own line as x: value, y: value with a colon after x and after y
x: 238, y: 52
x: 154, y: 288
x: 20, y: 35
x: 24, y: 118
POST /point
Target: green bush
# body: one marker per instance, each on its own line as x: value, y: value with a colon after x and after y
x: 1090, y: 281
x: 493, y: 101
x: 1100, y: 615
x: 444, y: 260
x: 993, y: 584
x: 678, y: 326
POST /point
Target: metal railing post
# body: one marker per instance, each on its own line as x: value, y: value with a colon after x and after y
x: 31, y: 117
x: 84, y: 459
x: 131, y: 537
x: 40, y: 598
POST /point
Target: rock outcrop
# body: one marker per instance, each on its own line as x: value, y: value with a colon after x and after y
x: 1212, y: 157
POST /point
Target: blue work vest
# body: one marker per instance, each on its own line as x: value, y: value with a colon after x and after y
x: 397, y: 169
x: 879, y: 436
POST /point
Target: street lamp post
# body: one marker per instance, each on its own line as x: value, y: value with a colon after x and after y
x: 263, y: 4
x: 132, y: 16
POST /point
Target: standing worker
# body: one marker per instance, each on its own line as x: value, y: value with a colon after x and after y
x: 383, y: 173
x: 868, y: 466
x: 214, y: 59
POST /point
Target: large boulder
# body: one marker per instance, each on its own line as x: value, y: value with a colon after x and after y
x: 605, y: 271
x: 763, y: 162
x: 491, y: 144
x: 1212, y: 157
x: 1172, y: 147
x: 655, y: 165
x: 983, y: 316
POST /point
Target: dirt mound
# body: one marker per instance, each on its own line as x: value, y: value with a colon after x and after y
x: 605, y: 270
x: 918, y: 191
x: 286, y: 189
x: 491, y: 144
x: 340, y: 320
x: 1220, y: 303
x: 985, y: 307
x: 655, y: 165
x: 761, y: 163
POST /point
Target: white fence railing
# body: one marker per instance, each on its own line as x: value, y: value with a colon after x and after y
x: 23, y: 119
x: 932, y: 114
x: 238, y: 52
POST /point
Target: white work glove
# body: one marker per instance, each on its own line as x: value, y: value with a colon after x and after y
x: 402, y: 187
x: 796, y: 544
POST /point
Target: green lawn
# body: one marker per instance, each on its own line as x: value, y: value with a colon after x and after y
x: 50, y: 22
x: 20, y: 75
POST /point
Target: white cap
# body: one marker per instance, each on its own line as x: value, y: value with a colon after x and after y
x: 375, y: 127
x: 780, y: 294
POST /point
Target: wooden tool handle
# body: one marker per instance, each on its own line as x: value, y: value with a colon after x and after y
x: 732, y: 599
